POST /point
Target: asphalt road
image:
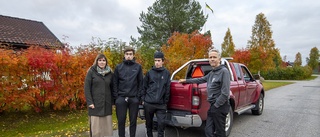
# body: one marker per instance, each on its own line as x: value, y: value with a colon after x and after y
x: 290, y: 111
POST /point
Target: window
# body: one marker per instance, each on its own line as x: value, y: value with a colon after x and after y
x: 238, y: 71
x: 246, y: 74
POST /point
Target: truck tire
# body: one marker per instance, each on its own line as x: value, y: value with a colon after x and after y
x: 259, y: 106
x: 229, y: 121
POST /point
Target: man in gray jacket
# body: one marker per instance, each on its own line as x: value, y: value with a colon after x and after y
x: 218, y: 88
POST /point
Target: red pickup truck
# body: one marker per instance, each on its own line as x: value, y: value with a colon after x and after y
x: 188, y: 102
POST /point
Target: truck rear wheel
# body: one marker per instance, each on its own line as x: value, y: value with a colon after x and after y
x: 229, y: 121
x: 259, y: 106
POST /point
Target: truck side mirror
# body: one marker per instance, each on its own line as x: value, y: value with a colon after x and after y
x: 256, y: 77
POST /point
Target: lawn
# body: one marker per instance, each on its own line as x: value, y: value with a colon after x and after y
x: 267, y: 85
x: 62, y: 123
x: 274, y: 84
x: 57, y: 124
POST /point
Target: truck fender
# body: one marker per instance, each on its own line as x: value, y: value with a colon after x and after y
x: 232, y: 100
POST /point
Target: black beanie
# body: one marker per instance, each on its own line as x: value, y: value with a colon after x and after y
x: 158, y: 54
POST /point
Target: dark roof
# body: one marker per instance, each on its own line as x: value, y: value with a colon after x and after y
x: 17, y: 31
x: 290, y: 63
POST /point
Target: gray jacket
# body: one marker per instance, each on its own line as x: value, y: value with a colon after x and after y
x: 97, y: 89
x: 218, y: 85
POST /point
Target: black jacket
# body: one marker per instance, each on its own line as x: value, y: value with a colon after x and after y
x: 128, y: 79
x: 97, y: 89
x: 156, y: 85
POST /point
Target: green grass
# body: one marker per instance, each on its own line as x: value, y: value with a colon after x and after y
x: 312, y: 78
x: 58, y: 123
x: 267, y: 85
x: 274, y: 84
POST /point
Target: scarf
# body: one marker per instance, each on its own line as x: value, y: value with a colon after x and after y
x: 103, y: 71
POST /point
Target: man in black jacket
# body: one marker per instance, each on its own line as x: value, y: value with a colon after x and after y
x: 127, y: 88
x: 156, y: 94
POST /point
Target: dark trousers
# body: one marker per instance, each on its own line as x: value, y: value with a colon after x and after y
x: 216, y: 120
x: 121, y: 111
x: 160, y: 111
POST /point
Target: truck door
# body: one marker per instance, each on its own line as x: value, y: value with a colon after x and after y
x: 251, y: 85
x: 239, y: 85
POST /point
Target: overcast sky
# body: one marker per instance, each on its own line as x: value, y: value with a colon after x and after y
x: 295, y: 23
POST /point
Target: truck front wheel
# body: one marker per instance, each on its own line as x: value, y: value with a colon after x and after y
x: 259, y: 106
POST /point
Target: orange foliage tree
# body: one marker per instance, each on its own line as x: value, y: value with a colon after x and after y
x: 184, y: 47
x: 242, y: 56
x: 41, y: 65
x: 13, y: 94
x: 73, y: 75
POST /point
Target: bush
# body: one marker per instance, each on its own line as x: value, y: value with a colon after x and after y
x: 40, y: 79
x: 288, y: 73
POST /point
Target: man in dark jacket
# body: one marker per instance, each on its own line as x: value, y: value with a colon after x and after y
x: 156, y: 94
x: 218, y: 88
x: 127, y: 88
